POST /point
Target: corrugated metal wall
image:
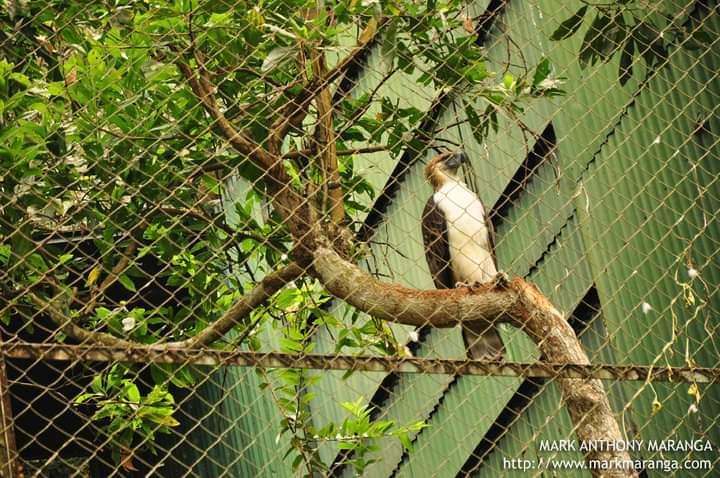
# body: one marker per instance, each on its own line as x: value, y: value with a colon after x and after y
x: 612, y: 213
x: 558, y: 233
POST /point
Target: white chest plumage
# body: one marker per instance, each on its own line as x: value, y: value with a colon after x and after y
x: 468, y: 236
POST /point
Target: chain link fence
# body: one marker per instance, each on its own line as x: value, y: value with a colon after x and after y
x: 170, y: 170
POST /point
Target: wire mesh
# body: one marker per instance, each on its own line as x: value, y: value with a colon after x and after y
x: 170, y: 170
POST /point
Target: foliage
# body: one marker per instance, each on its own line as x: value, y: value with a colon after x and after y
x: 131, y: 419
x: 113, y: 178
x: 632, y: 29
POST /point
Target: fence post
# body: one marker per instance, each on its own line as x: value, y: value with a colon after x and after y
x: 9, y: 466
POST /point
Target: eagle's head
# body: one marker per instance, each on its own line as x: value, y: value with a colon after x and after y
x: 444, y: 167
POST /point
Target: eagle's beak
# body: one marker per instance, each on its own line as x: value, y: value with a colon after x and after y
x: 456, y: 160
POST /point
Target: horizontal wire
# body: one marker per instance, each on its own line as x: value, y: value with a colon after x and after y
x: 209, y: 357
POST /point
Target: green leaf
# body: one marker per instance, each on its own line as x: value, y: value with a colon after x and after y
x: 703, y: 37
x: 508, y: 80
x: 127, y: 282
x: 5, y: 252
x: 65, y: 258
x: 56, y: 88
x: 542, y: 71
x: 479, y: 130
x: 287, y: 298
x: 593, y: 42
x: 211, y: 183
x: 132, y: 392
x: 297, y: 462
x: 476, y: 72
x: 97, y: 384
x: 37, y: 262
x: 20, y: 78
x: 405, y: 440
x: 570, y: 26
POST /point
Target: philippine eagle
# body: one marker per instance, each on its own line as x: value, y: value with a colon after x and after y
x: 458, y: 239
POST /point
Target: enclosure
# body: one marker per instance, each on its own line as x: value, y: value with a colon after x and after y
x: 212, y: 259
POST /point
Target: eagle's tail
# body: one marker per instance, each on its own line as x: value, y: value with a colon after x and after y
x: 484, y: 343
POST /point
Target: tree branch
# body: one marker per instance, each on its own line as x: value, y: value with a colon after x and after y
x: 305, y: 153
x: 265, y: 289
x: 296, y: 109
x: 204, y: 91
x: 517, y: 302
x: 293, y: 207
x: 70, y: 328
x: 326, y: 146
x: 268, y: 286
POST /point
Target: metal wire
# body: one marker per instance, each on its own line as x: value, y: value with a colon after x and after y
x: 167, y: 168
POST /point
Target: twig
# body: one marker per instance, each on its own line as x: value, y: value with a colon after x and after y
x: 304, y: 153
x: 268, y: 286
x: 361, y: 111
x: 115, y: 272
x: 71, y: 329
x: 296, y: 109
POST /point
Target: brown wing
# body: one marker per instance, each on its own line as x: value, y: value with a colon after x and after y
x: 491, y: 235
x: 437, y: 247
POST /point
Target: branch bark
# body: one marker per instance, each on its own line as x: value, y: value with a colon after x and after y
x: 287, y: 201
x: 326, y: 146
x: 516, y: 302
x: 242, y: 308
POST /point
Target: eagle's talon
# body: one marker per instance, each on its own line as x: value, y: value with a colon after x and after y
x: 469, y: 285
x: 501, y: 279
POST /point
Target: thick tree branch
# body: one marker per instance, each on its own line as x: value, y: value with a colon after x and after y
x: 292, y: 206
x: 517, y: 302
